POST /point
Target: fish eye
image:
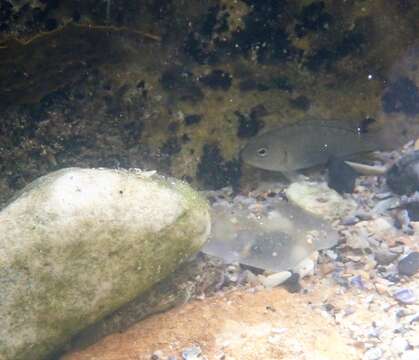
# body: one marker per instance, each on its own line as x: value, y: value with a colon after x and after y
x: 262, y: 152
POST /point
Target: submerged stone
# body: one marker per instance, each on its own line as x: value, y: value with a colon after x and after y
x: 403, y: 176
x: 409, y: 265
x: 405, y: 296
x: 319, y: 199
x: 77, y: 244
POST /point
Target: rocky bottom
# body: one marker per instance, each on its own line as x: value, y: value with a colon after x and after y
x: 358, y: 299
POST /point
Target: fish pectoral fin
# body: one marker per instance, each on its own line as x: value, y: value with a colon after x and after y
x: 364, y: 169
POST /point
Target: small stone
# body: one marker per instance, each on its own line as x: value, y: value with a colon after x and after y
x: 305, y: 268
x: 405, y: 296
x: 350, y: 220
x: 374, y: 332
x: 380, y: 227
x: 374, y: 353
x: 250, y: 278
x: 331, y: 254
x: 384, y: 205
x: 292, y: 285
x: 192, y: 353
x: 357, y: 239
x: 357, y: 282
x: 381, y: 288
x: 385, y: 257
x: 402, y: 221
x: 340, y: 280
x: 403, y: 176
x: 392, y: 276
x: 412, y: 209
x: 363, y: 215
x: 319, y: 200
x: 232, y: 273
x: 327, y: 268
x: 409, y: 265
x: 275, y: 279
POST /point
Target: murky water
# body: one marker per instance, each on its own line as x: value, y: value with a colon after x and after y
x: 182, y: 87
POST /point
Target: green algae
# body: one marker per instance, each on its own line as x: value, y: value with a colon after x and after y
x: 64, y: 278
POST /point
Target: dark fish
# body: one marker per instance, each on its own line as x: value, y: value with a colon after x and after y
x: 306, y: 144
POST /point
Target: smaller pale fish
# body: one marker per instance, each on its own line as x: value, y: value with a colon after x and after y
x: 306, y: 144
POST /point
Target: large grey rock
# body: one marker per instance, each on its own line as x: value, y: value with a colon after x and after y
x: 78, y: 243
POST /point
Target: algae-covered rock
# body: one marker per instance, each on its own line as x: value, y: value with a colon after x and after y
x: 78, y: 243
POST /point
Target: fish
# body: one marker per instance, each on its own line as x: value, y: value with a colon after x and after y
x: 306, y: 144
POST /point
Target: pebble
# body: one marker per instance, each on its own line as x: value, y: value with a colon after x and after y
x: 374, y: 353
x: 319, y: 199
x: 357, y: 239
x: 403, y: 176
x: 331, y: 254
x: 385, y: 257
x: 403, y: 221
x: 349, y: 220
x: 342, y: 281
x: 305, y: 268
x: 405, y: 296
x: 382, y: 206
x: 250, y: 278
x: 412, y: 209
x: 409, y: 265
x: 275, y: 279
x: 357, y: 282
x: 192, y: 353
x: 232, y: 273
x: 292, y: 285
x: 363, y: 215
